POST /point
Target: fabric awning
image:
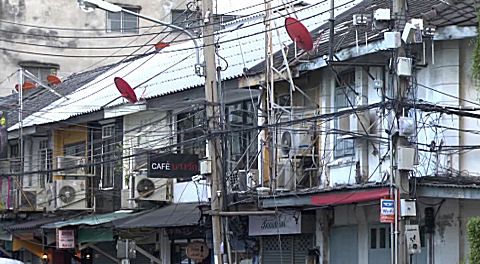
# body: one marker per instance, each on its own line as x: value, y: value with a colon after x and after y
x: 349, y: 197
x: 90, y: 220
x: 173, y: 215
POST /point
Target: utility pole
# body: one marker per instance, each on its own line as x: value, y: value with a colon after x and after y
x: 401, y: 176
x: 213, y: 118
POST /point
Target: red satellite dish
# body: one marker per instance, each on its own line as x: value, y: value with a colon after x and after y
x: 26, y: 86
x: 53, y: 80
x: 299, y: 33
x: 125, y: 89
x: 161, y: 45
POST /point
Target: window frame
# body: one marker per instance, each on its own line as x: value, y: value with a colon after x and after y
x: 36, y: 69
x: 342, y: 96
x: 122, y: 27
x: 107, y: 169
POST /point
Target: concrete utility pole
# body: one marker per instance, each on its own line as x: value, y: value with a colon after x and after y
x: 401, y: 176
x: 213, y: 115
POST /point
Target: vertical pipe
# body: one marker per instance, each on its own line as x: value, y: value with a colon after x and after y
x: 20, y: 130
x: 332, y: 29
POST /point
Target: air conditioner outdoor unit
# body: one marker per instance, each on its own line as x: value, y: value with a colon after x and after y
x: 152, y: 189
x: 71, y: 195
x: 357, y: 123
x: 69, y: 163
x: 294, y: 141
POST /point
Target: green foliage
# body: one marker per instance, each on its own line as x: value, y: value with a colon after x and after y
x: 473, y: 236
x: 476, y: 53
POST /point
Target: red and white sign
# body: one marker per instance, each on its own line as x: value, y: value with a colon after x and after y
x: 387, y: 211
x: 65, y: 238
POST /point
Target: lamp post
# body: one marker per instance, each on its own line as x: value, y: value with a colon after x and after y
x: 88, y: 5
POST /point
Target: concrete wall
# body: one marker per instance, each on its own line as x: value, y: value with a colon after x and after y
x: 48, y: 20
x: 450, y: 242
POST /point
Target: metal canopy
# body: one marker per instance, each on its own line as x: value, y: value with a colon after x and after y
x: 90, y: 220
x: 174, y: 215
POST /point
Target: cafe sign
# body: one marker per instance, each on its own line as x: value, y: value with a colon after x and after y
x: 162, y: 165
x: 65, y: 238
x: 288, y: 222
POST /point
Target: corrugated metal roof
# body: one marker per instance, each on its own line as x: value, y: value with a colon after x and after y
x: 90, y: 220
x: 172, y: 69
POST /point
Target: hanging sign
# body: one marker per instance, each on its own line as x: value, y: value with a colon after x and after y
x: 161, y: 165
x: 65, y: 238
x: 282, y: 223
x: 387, y: 211
x: 198, y: 251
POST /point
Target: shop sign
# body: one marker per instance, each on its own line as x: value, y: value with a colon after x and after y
x: 198, y: 251
x: 288, y: 222
x: 387, y: 211
x: 161, y: 165
x: 65, y: 238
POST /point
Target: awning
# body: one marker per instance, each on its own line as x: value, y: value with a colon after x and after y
x: 90, y: 220
x: 95, y: 235
x: 33, y: 246
x: 34, y: 224
x: 173, y: 215
x: 350, y: 197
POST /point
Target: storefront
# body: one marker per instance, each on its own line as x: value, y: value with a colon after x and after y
x: 287, y: 237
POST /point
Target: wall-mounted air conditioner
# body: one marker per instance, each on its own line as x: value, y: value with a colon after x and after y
x: 294, y: 141
x: 354, y: 124
x: 71, y: 195
x: 152, y: 189
x: 71, y: 165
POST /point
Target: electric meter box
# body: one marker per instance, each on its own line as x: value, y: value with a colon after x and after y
x: 382, y: 14
x: 405, y: 158
x: 407, y: 208
x: 404, y: 66
x: 392, y: 40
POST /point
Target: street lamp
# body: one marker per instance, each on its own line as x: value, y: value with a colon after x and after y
x: 89, y: 5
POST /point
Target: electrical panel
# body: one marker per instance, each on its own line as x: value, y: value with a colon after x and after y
x: 407, y: 208
x: 359, y: 20
x: 412, y: 235
x: 382, y: 14
x: 392, y: 40
x: 404, y: 66
x: 405, y: 158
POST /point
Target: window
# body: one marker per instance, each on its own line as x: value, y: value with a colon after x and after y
x: 380, y: 237
x: 109, y: 154
x: 75, y: 149
x: 45, y: 156
x: 241, y: 116
x: 190, y: 129
x: 344, y: 99
x: 39, y: 70
x: 15, y: 165
x: 122, y: 22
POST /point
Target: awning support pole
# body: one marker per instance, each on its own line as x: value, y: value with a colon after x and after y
x: 148, y: 255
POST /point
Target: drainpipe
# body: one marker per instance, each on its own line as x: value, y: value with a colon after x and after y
x: 332, y: 29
